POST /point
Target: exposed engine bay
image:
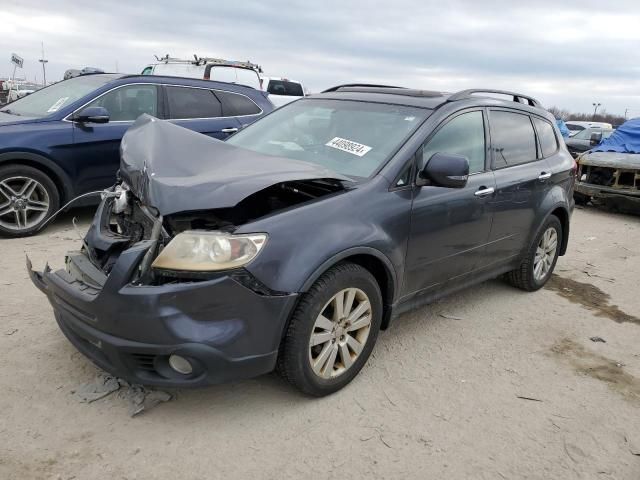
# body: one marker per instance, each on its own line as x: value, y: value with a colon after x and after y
x: 125, y: 221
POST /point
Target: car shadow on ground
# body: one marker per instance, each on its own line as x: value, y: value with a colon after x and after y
x: 272, y: 392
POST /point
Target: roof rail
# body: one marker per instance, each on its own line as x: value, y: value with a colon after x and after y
x: 349, y: 85
x: 464, y: 94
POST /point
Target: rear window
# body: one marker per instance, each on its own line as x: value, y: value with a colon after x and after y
x: 235, y: 105
x: 283, y: 87
x: 547, y: 137
x: 242, y: 76
x: 512, y: 138
x: 192, y: 103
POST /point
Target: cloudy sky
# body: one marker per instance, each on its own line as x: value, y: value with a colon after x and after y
x: 566, y: 53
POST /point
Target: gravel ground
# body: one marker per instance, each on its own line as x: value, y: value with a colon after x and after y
x: 489, y: 383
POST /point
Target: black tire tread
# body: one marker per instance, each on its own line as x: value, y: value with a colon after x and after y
x: 522, y: 277
x: 286, y: 366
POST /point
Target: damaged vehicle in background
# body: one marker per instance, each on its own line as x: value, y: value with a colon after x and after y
x: 610, y: 172
x: 586, y: 139
x: 291, y: 244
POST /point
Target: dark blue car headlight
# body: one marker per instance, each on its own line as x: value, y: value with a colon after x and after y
x: 207, y: 251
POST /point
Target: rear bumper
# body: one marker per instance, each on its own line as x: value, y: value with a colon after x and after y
x: 226, y: 330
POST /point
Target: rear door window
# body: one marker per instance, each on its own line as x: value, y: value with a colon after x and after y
x: 185, y: 102
x: 236, y: 105
x: 546, y: 136
x: 513, y: 140
x: 463, y: 135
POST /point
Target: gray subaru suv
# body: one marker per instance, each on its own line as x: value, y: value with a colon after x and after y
x: 291, y: 244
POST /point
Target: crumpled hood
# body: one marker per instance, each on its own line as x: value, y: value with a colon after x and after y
x: 175, y: 169
x: 611, y: 159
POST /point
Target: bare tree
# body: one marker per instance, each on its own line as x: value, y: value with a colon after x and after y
x: 601, y: 116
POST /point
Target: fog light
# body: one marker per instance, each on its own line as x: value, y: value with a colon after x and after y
x: 180, y: 364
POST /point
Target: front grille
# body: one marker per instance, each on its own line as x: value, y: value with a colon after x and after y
x: 145, y: 362
x: 611, y: 177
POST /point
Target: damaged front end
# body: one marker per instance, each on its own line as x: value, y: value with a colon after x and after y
x: 161, y: 275
x: 611, y: 178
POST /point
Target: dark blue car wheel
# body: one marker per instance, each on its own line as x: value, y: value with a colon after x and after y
x: 27, y: 198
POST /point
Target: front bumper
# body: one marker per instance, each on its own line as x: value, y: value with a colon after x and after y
x: 600, y: 191
x: 226, y: 330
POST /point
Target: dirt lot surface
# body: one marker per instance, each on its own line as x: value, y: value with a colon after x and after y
x: 490, y: 383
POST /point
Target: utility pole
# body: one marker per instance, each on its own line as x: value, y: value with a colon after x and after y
x: 626, y: 110
x: 44, y: 72
x: 595, y: 109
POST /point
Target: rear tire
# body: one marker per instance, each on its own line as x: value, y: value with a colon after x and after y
x: 540, y: 260
x: 28, y: 197
x: 340, y: 315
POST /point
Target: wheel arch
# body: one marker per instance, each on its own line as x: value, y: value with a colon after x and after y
x: 46, y: 166
x: 563, y: 215
x: 376, y: 263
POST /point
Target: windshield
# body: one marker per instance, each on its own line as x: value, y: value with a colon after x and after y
x: 54, y: 97
x: 351, y: 138
x: 586, y: 134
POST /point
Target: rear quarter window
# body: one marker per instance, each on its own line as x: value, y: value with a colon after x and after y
x: 546, y: 136
x: 513, y: 140
x: 236, y: 105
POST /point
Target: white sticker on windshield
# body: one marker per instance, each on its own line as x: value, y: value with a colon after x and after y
x: 56, y: 106
x: 348, y: 146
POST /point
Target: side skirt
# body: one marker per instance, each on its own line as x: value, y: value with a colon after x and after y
x: 419, y: 299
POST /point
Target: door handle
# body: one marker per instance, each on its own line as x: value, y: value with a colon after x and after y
x: 544, y: 176
x: 484, y: 191
x: 229, y: 130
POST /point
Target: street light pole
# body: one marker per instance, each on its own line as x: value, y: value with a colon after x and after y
x: 595, y: 109
x: 44, y: 71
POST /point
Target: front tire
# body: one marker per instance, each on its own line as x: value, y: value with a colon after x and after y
x: 332, y: 331
x: 540, y: 260
x: 28, y: 197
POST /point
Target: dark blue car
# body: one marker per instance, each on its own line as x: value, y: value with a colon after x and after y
x: 64, y: 140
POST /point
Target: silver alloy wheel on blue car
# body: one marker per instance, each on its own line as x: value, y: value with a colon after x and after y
x: 24, y: 203
x: 28, y: 197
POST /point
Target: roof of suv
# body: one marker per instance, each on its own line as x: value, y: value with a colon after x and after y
x: 426, y: 98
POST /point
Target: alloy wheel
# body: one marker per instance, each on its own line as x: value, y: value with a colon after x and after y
x: 24, y: 203
x: 545, y: 254
x: 340, y: 333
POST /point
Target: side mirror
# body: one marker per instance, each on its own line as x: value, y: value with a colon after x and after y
x: 445, y: 170
x: 92, y: 115
x: 596, y: 138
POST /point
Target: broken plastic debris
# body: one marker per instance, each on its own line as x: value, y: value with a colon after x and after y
x: 598, y: 339
x: 100, y: 387
x: 140, y: 398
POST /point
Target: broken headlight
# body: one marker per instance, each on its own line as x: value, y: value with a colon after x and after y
x: 203, y: 251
